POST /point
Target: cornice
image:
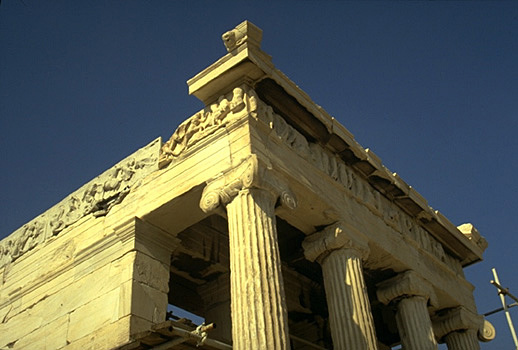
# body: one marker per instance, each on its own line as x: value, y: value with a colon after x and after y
x: 246, y: 60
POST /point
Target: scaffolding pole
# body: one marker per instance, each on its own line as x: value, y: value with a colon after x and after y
x: 503, y: 292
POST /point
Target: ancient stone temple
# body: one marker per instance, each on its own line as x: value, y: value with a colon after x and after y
x: 262, y: 215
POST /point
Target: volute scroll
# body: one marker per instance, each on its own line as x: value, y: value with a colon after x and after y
x: 251, y: 173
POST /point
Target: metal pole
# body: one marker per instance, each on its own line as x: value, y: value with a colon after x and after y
x: 500, y: 309
x: 502, y: 293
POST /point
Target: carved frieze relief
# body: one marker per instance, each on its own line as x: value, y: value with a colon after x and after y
x: 356, y: 187
x: 245, y: 101
x: 227, y: 108
x: 96, y: 197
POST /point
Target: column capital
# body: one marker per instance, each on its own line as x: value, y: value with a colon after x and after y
x: 457, y: 319
x: 334, y: 237
x: 251, y: 173
x: 406, y: 284
x: 487, y: 332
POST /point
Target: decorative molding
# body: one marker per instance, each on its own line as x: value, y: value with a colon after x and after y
x: 241, y: 100
x: 406, y: 284
x: 457, y: 319
x: 227, y: 108
x: 97, y: 197
x: 249, y: 174
x: 337, y: 236
x: 355, y: 186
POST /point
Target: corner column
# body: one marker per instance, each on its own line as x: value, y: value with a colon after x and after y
x: 258, y: 303
x: 340, y: 254
x: 458, y: 328
x: 411, y: 295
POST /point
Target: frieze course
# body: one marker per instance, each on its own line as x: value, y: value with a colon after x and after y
x: 355, y: 186
x: 204, y: 123
x: 96, y: 197
x: 244, y: 100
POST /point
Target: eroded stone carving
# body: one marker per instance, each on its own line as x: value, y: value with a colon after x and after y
x: 204, y: 123
x: 333, y: 237
x: 245, y: 32
x: 96, y: 197
x: 457, y: 319
x: 245, y: 100
x: 406, y: 284
x: 248, y: 174
x: 472, y: 233
x: 357, y: 188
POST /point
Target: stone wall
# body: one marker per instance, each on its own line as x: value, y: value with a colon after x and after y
x: 76, y: 287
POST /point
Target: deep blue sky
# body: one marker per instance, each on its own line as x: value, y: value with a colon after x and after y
x: 431, y: 87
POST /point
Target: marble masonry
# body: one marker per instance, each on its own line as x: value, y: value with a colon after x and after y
x: 262, y: 215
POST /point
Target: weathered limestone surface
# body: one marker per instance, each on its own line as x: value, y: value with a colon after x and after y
x: 463, y: 340
x: 411, y: 295
x: 86, y: 280
x: 458, y: 327
x: 96, y: 197
x: 259, y: 312
x: 340, y: 253
x: 94, y: 270
x: 258, y: 307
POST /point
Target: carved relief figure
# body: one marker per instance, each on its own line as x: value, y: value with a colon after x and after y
x: 203, y: 124
x: 96, y: 198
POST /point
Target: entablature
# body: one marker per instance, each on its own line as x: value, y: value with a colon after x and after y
x: 247, y: 63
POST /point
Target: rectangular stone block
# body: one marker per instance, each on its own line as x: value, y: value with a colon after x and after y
x: 148, y: 302
x: 51, y: 336
x: 95, y: 315
x: 107, y: 337
x: 151, y: 272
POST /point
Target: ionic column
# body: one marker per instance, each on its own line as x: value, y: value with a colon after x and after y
x: 458, y: 328
x: 258, y: 305
x: 411, y: 295
x: 340, y: 254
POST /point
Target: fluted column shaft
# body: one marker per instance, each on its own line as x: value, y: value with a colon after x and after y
x: 459, y: 328
x: 350, y: 317
x: 258, y: 306
x: 411, y: 295
x: 414, y: 325
x: 463, y: 340
x: 340, y: 249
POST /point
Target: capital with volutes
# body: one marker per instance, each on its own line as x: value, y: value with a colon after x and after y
x: 406, y: 284
x: 460, y: 319
x: 250, y: 174
x: 334, y: 237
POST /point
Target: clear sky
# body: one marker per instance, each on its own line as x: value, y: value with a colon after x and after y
x: 431, y: 87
